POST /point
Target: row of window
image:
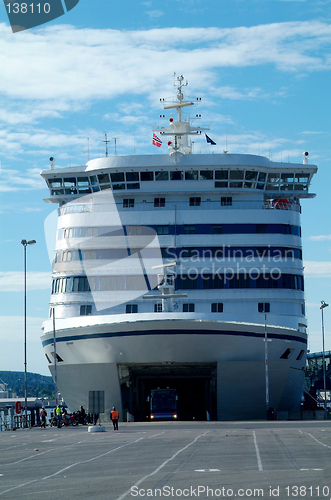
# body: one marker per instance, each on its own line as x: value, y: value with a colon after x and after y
x: 194, y: 201
x: 182, y: 282
x: 240, y: 281
x: 215, y: 307
x: 249, y: 254
x: 224, y: 178
x: 178, y: 229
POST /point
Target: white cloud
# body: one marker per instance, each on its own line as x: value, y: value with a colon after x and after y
x: 63, y: 62
x: 13, y: 281
x: 321, y: 237
x: 317, y: 269
x: 154, y: 14
x: 55, y: 71
x: 234, y: 94
x: 12, y: 180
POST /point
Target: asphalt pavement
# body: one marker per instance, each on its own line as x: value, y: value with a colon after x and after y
x: 284, y: 460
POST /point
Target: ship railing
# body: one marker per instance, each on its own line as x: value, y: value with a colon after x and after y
x: 207, y: 205
x: 77, y: 208
x: 129, y: 417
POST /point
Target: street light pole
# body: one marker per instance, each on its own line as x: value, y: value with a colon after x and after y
x: 266, y: 364
x: 25, y: 243
x: 323, y: 306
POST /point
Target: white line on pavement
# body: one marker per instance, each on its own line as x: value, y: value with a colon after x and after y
x: 259, y: 461
x: 160, y: 467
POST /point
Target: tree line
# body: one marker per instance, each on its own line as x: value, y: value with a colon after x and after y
x: 38, y: 386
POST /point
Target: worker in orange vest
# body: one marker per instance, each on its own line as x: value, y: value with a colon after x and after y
x: 114, y: 418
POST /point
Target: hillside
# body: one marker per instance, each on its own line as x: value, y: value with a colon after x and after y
x: 37, y: 385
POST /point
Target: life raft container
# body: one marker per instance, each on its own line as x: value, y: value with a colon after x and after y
x: 282, y: 204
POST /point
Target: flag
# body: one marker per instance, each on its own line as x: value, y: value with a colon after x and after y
x: 156, y: 141
x: 210, y: 141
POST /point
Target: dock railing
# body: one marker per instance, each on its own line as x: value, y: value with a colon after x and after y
x: 9, y: 420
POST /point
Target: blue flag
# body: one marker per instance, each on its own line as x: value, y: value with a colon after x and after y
x: 210, y: 141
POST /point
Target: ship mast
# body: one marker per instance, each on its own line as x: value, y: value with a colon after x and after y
x: 167, y: 288
x: 181, y: 129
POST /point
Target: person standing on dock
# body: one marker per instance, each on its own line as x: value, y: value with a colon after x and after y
x: 114, y: 418
x: 43, y: 415
x: 58, y: 413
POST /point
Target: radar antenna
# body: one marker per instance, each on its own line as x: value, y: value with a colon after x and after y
x: 183, y: 127
x: 88, y: 149
x: 106, y: 142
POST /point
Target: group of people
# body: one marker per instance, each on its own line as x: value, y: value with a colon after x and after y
x: 61, y: 417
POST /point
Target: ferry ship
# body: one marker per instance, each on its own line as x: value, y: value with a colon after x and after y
x: 179, y: 271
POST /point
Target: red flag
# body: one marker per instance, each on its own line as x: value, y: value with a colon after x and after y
x: 156, y: 141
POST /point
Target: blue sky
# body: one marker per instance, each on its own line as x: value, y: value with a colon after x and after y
x: 262, y: 69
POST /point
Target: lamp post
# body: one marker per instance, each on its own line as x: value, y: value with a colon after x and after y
x: 25, y: 243
x: 323, y: 306
x: 266, y: 365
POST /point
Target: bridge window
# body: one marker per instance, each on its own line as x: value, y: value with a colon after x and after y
x: 117, y: 177
x: 226, y: 201
x: 188, y: 307
x: 261, y: 228
x: 217, y: 307
x: 162, y: 230
x: 195, y: 201
x: 103, y: 178
x: 131, y: 308
x: 217, y: 229
x: 250, y: 175
x: 192, y: 175
x: 162, y: 175
x: 189, y: 229
x: 128, y: 203
x: 158, y: 307
x: 176, y: 175
x: 55, y: 183
x: 206, y: 174
x: 221, y: 174
x: 146, y: 176
x: 159, y: 202
x: 263, y: 307
x: 132, y: 176
x: 85, y: 310
x: 236, y: 174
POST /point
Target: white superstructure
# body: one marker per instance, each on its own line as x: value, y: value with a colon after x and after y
x: 180, y: 270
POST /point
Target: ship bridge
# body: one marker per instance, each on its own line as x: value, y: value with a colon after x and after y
x: 214, y: 174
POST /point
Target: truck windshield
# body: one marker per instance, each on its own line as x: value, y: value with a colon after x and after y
x: 165, y: 400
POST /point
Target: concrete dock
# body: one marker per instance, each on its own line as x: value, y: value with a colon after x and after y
x: 282, y: 459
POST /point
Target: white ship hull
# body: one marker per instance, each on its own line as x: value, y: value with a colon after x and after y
x: 228, y: 354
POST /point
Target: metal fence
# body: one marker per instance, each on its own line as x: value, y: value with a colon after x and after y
x: 9, y: 420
